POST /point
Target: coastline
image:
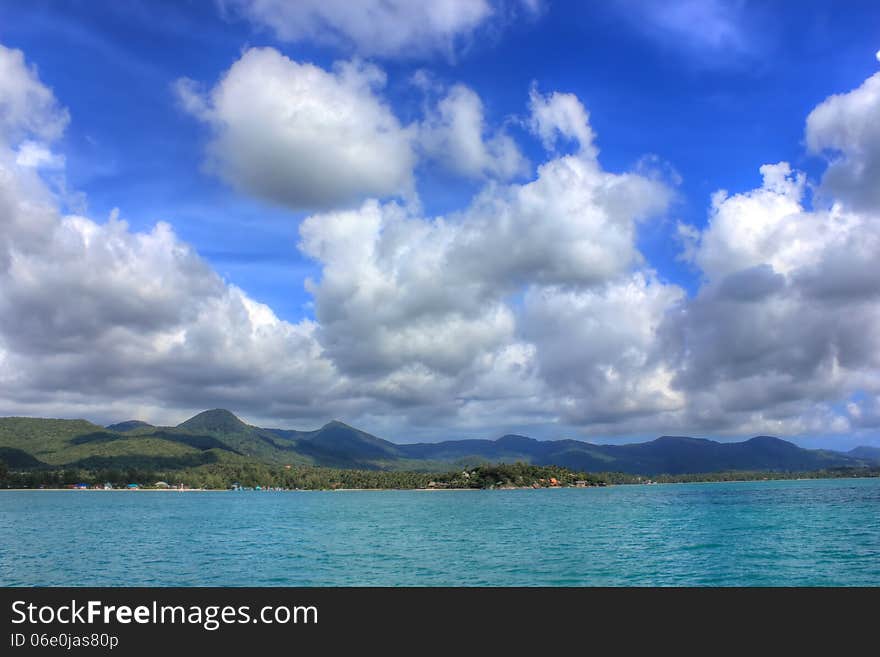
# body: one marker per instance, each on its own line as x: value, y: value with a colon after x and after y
x: 430, y: 490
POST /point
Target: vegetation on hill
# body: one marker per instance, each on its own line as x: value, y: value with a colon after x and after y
x: 251, y: 475
x: 130, y: 425
x: 247, y: 474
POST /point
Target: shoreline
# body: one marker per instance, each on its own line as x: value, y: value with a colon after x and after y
x: 425, y: 490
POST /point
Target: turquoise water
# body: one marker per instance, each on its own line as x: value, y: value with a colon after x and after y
x: 817, y: 532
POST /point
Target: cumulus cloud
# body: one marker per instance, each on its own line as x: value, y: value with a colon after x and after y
x: 384, y: 300
x: 532, y: 305
x: 575, y: 224
x: 94, y: 316
x: 560, y: 116
x: 760, y: 226
x: 91, y: 312
x: 385, y: 28
x: 598, y: 349
x: 27, y: 107
x: 847, y: 127
x: 778, y: 333
x: 405, y: 298
x: 295, y: 134
x: 455, y: 134
x: 398, y: 288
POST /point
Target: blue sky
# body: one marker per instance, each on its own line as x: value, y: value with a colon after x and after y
x: 695, y: 95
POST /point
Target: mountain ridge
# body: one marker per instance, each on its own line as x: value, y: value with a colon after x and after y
x: 219, y: 434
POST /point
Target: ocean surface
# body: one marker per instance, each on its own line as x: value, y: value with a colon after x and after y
x: 815, y: 532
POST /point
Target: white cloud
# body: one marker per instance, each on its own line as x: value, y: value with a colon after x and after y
x: 93, y: 312
x: 27, y: 107
x: 387, y: 28
x: 94, y: 316
x: 36, y: 155
x: 421, y: 311
x: 455, y: 134
x: 295, y: 134
x: 847, y: 126
x: 599, y: 352
x: 760, y: 226
x: 386, y: 298
x: 397, y: 287
x: 575, y: 224
x: 776, y: 336
x: 561, y: 115
x: 96, y: 312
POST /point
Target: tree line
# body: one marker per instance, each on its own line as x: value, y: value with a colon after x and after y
x: 221, y: 476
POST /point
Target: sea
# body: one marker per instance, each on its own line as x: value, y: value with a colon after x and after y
x: 766, y: 533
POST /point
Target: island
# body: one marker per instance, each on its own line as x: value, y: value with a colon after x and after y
x: 215, y: 450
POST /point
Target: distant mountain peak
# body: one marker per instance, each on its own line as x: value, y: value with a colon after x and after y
x: 679, y: 439
x: 771, y: 441
x: 344, y: 444
x: 515, y: 439
x: 217, y: 419
x: 338, y: 424
x: 865, y: 448
x: 335, y: 430
x: 866, y: 452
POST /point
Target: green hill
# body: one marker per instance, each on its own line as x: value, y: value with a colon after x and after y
x: 43, y: 439
x: 338, y: 445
